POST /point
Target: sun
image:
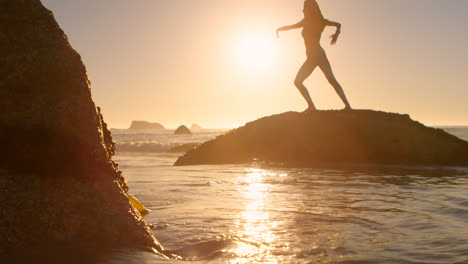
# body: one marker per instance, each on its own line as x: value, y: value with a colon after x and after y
x: 255, y: 51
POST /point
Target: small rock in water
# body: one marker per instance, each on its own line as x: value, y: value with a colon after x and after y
x: 182, y: 130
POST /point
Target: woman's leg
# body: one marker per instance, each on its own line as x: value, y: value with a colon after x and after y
x: 327, y: 70
x: 304, y: 72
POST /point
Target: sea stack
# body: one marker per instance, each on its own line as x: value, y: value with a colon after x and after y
x: 333, y: 138
x: 182, y: 130
x: 59, y: 188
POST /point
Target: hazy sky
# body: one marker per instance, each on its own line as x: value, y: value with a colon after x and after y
x: 218, y: 62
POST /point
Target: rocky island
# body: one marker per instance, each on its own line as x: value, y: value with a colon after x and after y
x: 144, y: 125
x: 333, y: 137
x: 59, y: 187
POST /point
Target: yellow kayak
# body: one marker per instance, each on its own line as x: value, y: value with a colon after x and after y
x: 140, y: 208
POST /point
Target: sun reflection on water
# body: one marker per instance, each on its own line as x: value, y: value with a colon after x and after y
x: 254, y: 229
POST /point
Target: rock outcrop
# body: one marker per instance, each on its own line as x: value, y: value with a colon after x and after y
x: 332, y: 137
x: 182, y: 130
x: 58, y: 184
x: 144, y: 125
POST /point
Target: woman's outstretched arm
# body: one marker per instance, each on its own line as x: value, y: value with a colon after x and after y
x: 297, y: 25
x: 334, y: 37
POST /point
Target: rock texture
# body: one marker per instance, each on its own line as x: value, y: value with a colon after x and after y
x: 144, y: 125
x: 58, y: 183
x: 182, y: 130
x: 359, y: 136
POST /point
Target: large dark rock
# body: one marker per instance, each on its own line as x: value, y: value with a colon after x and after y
x: 58, y: 183
x: 144, y: 125
x: 333, y: 137
x: 182, y: 130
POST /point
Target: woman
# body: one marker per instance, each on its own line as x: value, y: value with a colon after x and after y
x: 313, y: 25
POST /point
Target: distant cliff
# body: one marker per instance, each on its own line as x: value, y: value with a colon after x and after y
x: 144, y: 125
x: 332, y: 137
x: 195, y: 127
x: 59, y: 187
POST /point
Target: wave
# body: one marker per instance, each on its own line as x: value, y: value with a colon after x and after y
x: 146, y: 147
x: 154, y: 147
x: 222, y: 247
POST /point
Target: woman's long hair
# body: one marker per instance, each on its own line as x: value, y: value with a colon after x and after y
x: 313, y: 12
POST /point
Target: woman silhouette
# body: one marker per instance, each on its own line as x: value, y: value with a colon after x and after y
x: 313, y: 25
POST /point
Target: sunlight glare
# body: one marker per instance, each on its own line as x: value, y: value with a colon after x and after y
x: 255, y: 228
x: 255, y: 51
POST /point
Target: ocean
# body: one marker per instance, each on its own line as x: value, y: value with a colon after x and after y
x: 253, y: 213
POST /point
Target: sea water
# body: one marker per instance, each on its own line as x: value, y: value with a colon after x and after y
x: 256, y: 214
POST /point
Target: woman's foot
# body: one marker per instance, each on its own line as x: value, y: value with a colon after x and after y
x: 311, y: 109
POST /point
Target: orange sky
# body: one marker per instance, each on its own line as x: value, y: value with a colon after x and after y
x: 188, y: 61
